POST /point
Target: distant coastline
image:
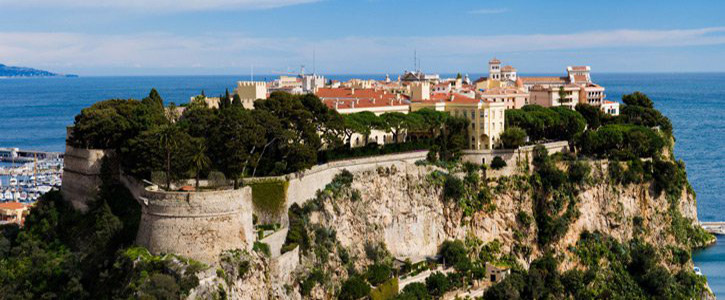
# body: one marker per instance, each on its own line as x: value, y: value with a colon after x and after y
x: 24, y: 72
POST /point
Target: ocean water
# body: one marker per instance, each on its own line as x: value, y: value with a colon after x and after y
x: 35, y: 112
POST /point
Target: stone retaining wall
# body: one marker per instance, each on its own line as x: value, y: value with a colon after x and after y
x: 81, y: 175
x: 510, y: 156
x: 304, y: 185
x: 275, y: 242
x: 282, y: 267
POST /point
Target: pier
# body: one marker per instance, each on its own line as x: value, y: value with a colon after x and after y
x: 22, y: 156
x: 717, y: 228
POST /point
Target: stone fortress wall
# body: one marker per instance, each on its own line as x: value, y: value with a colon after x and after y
x: 201, y: 224
x: 304, y: 185
x: 81, y: 175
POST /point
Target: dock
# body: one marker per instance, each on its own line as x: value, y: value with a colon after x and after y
x: 22, y: 156
x: 717, y: 228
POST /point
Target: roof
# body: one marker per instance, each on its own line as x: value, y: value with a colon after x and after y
x: 450, y: 98
x: 341, y: 98
x: 543, y: 79
x: 12, y: 205
x: 580, y: 78
x: 579, y: 68
x: 609, y: 102
x: 508, y: 69
x: 494, y: 61
x: 501, y: 91
x: 187, y: 188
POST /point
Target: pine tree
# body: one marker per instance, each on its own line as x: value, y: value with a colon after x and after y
x: 237, y: 102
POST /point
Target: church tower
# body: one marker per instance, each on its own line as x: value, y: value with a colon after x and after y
x: 494, y: 69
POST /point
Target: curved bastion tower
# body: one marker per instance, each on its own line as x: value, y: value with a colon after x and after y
x: 198, y: 225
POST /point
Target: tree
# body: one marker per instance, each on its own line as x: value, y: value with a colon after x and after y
x: 498, y: 163
x: 237, y: 102
x: 453, y: 252
x: 154, y: 98
x: 378, y: 273
x: 638, y: 99
x: 394, y: 122
x: 235, y: 140
x: 199, y: 161
x: 432, y: 120
x: 414, y: 291
x: 168, y: 143
x: 563, y: 96
x: 513, y: 137
x: 354, y: 288
x: 437, y: 284
x: 592, y: 114
x: 362, y: 123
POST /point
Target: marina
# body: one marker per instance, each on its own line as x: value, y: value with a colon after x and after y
x: 24, y: 181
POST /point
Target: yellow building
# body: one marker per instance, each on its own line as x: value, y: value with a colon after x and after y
x: 249, y: 91
x: 486, y: 118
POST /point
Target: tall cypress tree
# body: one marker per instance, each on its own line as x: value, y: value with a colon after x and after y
x: 237, y: 102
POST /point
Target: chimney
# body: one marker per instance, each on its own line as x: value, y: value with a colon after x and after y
x: 352, y: 91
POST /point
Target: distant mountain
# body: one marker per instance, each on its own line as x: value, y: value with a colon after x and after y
x: 9, y: 71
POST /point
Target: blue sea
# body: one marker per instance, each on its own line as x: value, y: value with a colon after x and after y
x: 35, y: 112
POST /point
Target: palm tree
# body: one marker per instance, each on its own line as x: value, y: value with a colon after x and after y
x: 199, y: 161
x: 167, y: 142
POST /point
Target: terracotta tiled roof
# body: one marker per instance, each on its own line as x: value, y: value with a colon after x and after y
x: 543, y: 79
x: 579, y: 68
x: 342, y: 98
x: 494, y: 61
x: 608, y: 102
x: 11, y: 205
x: 580, y: 78
x: 450, y: 98
x: 508, y: 69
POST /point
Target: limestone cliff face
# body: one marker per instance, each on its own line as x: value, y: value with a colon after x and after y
x: 399, y: 207
x: 404, y: 208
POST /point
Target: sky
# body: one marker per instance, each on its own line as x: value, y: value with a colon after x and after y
x: 218, y: 37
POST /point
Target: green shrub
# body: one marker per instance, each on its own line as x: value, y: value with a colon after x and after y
x: 414, y: 291
x: 453, y: 189
x: 261, y: 248
x: 385, y: 291
x: 498, y: 163
x: 315, y: 277
x: 297, y: 233
x: 354, y: 288
x: 378, y: 273
x: 269, y: 196
x: 437, y: 284
x: 579, y: 172
x: 217, y: 179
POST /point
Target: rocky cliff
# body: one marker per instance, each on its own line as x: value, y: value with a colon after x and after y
x: 407, y: 213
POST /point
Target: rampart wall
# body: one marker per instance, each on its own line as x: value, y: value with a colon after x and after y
x: 199, y: 225
x: 511, y: 156
x: 304, y: 185
x: 81, y: 175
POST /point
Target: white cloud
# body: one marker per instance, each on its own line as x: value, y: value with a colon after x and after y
x: 227, y: 53
x: 488, y: 11
x: 156, y: 5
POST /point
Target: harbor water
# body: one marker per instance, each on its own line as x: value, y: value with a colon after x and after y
x: 35, y: 113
